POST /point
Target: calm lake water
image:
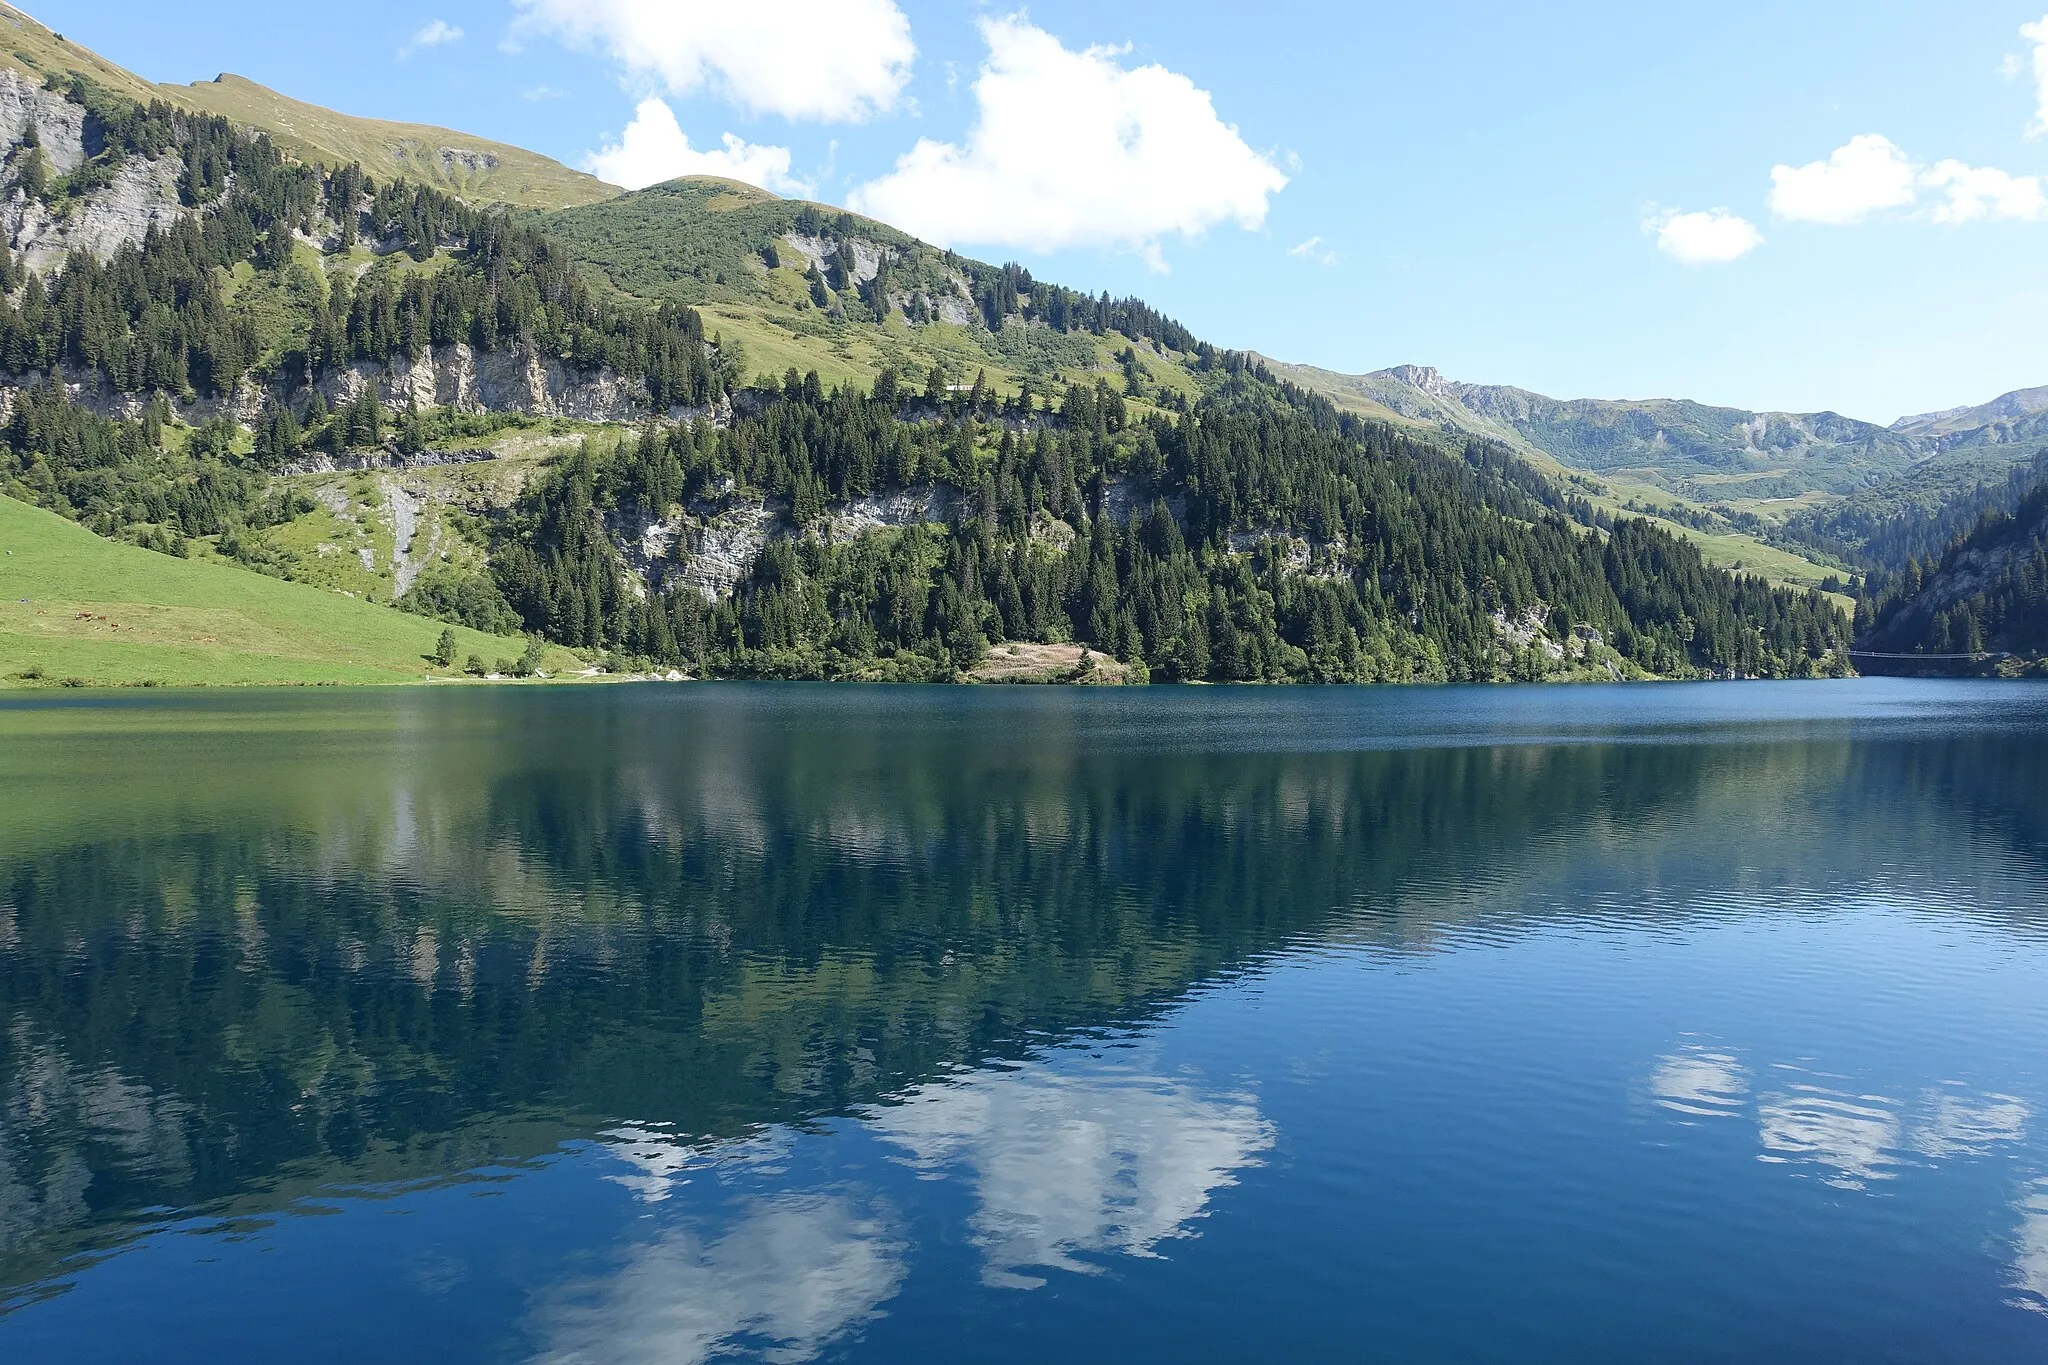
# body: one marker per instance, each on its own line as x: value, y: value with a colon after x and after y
x: 688, y: 1023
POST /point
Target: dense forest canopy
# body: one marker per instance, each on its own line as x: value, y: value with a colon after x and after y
x: 1985, y: 592
x: 157, y: 316
x: 1121, y: 535
x: 1255, y: 534
x: 1918, y: 515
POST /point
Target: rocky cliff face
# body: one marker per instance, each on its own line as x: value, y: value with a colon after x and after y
x: 59, y: 123
x: 144, y: 193
x: 519, y: 380
x: 100, y: 222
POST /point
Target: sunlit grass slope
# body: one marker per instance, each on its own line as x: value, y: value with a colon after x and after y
x: 74, y: 606
x: 458, y: 162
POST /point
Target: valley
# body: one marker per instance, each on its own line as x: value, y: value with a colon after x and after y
x: 680, y: 428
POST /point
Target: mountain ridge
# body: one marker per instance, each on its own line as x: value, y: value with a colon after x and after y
x: 1115, y: 487
x: 484, y: 169
x: 2014, y: 404
x: 1113, y: 480
x: 448, y: 159
x: 1767, y: 472
x: 1929, y: 433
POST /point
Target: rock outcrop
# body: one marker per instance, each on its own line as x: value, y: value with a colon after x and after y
x: 520, y: 380
x: 60, y: 124
x: 721, y: 547
x: 898, y: 508
x: 143, y: 194
x: 102, y: 221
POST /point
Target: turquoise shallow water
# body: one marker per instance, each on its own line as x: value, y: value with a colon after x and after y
x: 689, y: 1023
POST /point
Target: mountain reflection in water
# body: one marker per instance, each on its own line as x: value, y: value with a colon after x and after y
x: 764, y: 1004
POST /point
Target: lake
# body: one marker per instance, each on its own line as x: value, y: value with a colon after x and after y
x: 786, y: 1023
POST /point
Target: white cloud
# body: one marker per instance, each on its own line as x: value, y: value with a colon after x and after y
x: 1975, y: 193
x: 1312, y: 250
x: 2036, y: 35
x: 435, y: 34
x: 1870, y: 173
x: 807, y: 59
x: 1864, y: 175
x: 1714, y: 237
x: 1072, y: 149
x: 542, y: 92
x: 654, y: 148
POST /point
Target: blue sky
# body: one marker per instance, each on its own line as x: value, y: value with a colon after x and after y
x: 1513, y: 193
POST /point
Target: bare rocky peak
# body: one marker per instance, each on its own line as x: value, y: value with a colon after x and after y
x: 1423, y: 377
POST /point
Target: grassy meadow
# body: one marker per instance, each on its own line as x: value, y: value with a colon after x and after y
x: 85, y: 611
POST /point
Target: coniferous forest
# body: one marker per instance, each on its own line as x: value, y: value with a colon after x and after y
x: 1986, y: 592
x: 1253, y: 535
x: 1174, y: 542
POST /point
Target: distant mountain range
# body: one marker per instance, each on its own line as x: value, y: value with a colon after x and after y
x: 2021, y: 415
x: 1710, y: 454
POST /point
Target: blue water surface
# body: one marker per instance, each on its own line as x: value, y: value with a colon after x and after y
x: 782, y: 1023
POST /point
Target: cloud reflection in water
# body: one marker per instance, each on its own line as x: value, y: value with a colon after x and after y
x: 1699, y: 1081
x: 1065, y: 1165
x: 2030, y: 1265
x: 1956, y: 1123
x: 792, y: 1274
x: 1854, y: 1137
x: 1067, y: 1158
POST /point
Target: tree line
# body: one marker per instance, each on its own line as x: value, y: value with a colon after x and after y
x: 1986, y: 592
x: 1171, y: 543
x: 156, y: 316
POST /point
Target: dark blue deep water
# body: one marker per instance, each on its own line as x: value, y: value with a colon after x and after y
x: 690, y: 1023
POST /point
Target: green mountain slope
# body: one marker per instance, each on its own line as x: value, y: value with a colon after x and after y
x: 1987, y: 591
x: 1919, y: 513
x: 75, y: 606
x: 865, y: 458
x: 1802, y: 496
x: 459, y: 163
x: 1727, y: 536
x: 29, y: 47
x: 1700, y: 451
x: 813, y: 287
x: 709, y: 244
